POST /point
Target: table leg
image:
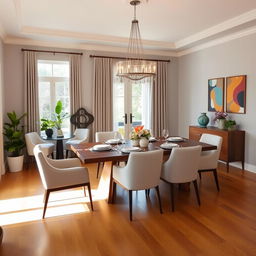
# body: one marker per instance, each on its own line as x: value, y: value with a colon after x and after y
x: 105, y: 188
x: 59, y: 149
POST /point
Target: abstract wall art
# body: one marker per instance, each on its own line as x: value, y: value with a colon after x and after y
x: 236, y: 94
x: 216, y: 94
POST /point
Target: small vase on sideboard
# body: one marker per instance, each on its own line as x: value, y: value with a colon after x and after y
x: 203, y: 120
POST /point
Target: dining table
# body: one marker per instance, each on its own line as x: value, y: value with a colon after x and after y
x: 115, y: 155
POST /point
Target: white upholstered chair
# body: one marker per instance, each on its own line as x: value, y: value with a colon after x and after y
x: 81, y: 136
x: 33, y: 139
x: 182, y: 167
x: 141, y: 172
x: 209, y: 159
x: 104, y: 136
x: 60, y: 174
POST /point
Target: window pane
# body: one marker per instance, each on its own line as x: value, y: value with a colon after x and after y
x: 44, y: 69
x: 44, y: 100
x: 61, y: 70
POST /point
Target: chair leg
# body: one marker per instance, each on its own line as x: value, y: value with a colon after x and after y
x: 114, y: 191
x: 46, y: 197
x: 90, y: 195
x: 172, y: 195
x: 197, y: 193
x: 159, y: 199
x: 200, y: 175
x: 130, y: 204
x: 66, y: 153
x: 52, y: 155
x: 84, y: 191
x: 216, y: 179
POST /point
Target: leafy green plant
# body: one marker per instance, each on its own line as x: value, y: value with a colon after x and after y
x: 14, y: 142
x: 46, y: 124
x: 59, y: 115
x: 230, y: 124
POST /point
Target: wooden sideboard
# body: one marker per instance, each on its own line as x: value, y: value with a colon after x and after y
x: 232, y: 149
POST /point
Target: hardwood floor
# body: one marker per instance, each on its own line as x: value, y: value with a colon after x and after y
x: 224, y: 224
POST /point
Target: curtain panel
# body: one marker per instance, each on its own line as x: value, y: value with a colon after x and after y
x: 31, y: 106
x: 159, y: 97
x: 102, y: 95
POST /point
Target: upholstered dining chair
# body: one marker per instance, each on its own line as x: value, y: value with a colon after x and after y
x: 33, y: 139
x: 141, y: 172
x: 61, y: 174
x: 104, y: 136
x: 209, y: 159
x: 182, y: 167
x: 81, y: 136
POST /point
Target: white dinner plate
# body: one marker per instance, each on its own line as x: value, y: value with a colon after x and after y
x: 128, y: 150
x: 168, y: 145
x: 113, y: 141
x: 101, y: 147
x: 175, y: 139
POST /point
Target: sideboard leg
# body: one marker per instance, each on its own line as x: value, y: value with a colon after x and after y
x: 227, y: 166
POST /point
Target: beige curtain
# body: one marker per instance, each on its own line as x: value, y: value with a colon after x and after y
x: 31, y: 92
x: 159, y: 115
x: 75, y: 83
x: 102, y: 95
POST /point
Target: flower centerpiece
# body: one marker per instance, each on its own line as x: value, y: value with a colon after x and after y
x: 220, y: 118
x: 140, y: 136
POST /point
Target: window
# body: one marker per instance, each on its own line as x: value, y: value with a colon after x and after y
x: 53, y: 82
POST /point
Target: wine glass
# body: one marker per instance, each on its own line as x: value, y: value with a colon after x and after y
x: 165, y: 133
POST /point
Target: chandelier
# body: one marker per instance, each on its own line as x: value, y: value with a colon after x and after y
x: 134, y: 67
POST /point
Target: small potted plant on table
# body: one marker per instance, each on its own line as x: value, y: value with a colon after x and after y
x: 230, y: 125
x: 47, y: 125
x: 220, y: 118
x: 14, y: 142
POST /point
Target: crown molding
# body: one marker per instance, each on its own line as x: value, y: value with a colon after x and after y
x: 93, y: 37
x: 221, y: 27
x: 82, y: 46
x: 222, y: 40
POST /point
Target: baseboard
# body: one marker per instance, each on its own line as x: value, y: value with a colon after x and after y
x: 247, y: 167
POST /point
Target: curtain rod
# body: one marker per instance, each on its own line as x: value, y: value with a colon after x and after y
x: 31, y: 50
x: 123, y: 58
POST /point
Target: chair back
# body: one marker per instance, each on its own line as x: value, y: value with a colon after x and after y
x: 182, y: 165
x: 45, y: 169
x: 213, y: 140
x: 32, y: 139
x: 82, y: 134
x: 104, y: 136
x: 143, y: 170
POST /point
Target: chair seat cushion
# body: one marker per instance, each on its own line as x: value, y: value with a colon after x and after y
x: 47, y: 148
x: 208, y: 160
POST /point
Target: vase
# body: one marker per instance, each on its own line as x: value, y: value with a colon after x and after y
x: 203, y: 120
x: 221, y: 123
x: 135, y: 143
x: 144, y: 142
x: 49, y: 133
x: 59, y: 133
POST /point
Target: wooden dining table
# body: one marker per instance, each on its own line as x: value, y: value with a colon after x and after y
x: 85, y: 153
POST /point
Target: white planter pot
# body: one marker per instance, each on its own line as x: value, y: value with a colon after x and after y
x: 221, y: 123
x: 144, y: 142
x: 135, y: 143
x: 15, y: 163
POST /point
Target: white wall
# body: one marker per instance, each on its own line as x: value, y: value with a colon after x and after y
x: 13, y: 70
x: 236, y: 57
x: 2, y: 169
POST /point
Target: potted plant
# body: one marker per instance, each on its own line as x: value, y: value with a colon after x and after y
x: 59, y: 117
x: 47, y: 125
x: 14, y: 142
x: 220, y: 118
x: 230, y: 125
x: 140, y: 136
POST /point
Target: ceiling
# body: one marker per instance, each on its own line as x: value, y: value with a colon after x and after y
x: 168, y: 27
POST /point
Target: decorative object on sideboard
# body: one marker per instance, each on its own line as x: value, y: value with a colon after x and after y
x: 216, y: 94
x: 81, y: 119
x: 14, y: 142
x: 220, y: 118
x: 203, y: 120
x: 230, y: 125
x: 236, y: 94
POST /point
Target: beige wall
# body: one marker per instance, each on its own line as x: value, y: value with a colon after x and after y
x: 13, y: 69
x: 233, y: 58
x: 2, y: 169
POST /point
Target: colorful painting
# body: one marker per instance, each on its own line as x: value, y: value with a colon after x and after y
x: 236, y: 92
x: 216, y: 94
